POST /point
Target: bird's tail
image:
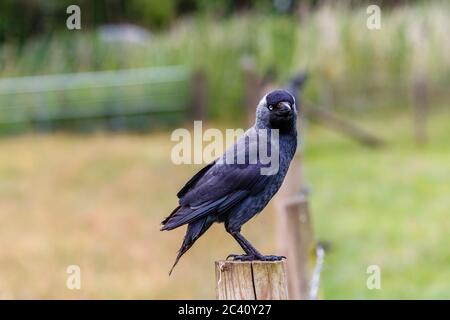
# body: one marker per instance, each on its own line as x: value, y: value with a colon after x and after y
x: 194, y: 231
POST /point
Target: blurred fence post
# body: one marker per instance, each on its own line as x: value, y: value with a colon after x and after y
x: 291, y: 186
x: 299, y: 246
x: 420, y: 105
x: 100, y: 98
x: 338, y: 123
x: 40, y: 120
x: 199, y: 95
x: 251, y: 280
x: 253, y: 83
x: 293, y: 224
x: 294, y: 232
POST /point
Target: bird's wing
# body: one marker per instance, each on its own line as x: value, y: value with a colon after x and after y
x: 226, y: 175
x: 220, y: 185
x: 223, y: 180
x: 193, y: 180
x: 216, y: 189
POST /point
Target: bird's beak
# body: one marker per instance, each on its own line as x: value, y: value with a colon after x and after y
x: 284, y: 106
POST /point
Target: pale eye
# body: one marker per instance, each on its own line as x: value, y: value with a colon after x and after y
x: 270, y: 107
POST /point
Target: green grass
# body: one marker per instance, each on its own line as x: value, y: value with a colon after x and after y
x: 386, y: 207
x: 96, y: 201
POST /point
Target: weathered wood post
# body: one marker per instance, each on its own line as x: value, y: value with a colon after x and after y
x: 420, y: 102
x: 293, y: 224
x: 299, y: 246
x: 251, y: 280
x: 294, y: 229
x: 253, y: 88
x: 199, y: 96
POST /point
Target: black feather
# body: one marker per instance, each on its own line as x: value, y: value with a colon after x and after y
x: 233, y: 193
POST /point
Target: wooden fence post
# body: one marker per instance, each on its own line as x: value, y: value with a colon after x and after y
x: 420, y: 102
x: 293, y: 225
x: 299, y: 241
x: 294, y: 229
x: 253, y: 84
x: 199, y: 96
x: 251, y: 280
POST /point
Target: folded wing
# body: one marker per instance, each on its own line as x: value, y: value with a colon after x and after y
x: 214, y: 190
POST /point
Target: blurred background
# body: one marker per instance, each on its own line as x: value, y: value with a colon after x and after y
x: 86, y: 117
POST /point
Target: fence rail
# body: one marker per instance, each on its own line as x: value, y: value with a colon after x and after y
x: 115, y: 98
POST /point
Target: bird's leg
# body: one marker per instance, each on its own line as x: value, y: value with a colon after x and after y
x: 246, y: 245
x: 251, y: 252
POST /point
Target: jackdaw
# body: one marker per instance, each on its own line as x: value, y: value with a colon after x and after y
x: 233, y: 191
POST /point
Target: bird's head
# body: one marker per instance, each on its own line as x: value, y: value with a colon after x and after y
x: 276, y: 110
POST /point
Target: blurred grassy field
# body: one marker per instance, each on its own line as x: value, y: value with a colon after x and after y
x: 96, y: 201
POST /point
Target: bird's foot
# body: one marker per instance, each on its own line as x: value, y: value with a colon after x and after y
x: 252, y: 257
x: 242, y: 257
x: 272, y: 258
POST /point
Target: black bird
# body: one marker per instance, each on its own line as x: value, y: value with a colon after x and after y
x: 233, y: 192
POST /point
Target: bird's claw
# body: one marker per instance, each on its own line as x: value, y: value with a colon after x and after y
x: 233, y: 256
x: 242, y: 257
x: 248, y: 257
x: 272, y: 258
